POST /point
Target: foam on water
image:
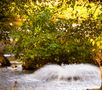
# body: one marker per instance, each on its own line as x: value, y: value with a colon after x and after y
x: 82, y: 76
x: 55, y: 77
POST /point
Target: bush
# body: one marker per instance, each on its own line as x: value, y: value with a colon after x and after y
x: 57, y: 34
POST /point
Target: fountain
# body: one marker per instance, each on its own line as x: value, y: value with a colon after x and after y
x: 53, y: 77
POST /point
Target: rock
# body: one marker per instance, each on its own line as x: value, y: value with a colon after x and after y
x: 4, y: 61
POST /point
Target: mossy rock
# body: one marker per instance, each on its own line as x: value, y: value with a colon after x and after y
x: 34, y: 64
x: 30, y: 66
x: 4, y: 61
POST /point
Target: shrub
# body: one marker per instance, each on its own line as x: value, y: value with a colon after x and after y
x: 57, y: 34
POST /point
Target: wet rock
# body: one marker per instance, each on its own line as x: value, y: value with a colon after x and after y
x: 4, y: 61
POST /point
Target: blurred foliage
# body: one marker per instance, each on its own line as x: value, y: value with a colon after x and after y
x: 60, y: 31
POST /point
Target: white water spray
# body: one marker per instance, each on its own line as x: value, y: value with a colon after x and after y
x: 73, y: 77
x: 53, y: 77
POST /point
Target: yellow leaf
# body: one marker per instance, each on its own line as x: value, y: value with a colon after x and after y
x: 93, y: 50
x: 93, y: 43
x: 98, y: 43
x: 91, y: 40
x: 100, y: 47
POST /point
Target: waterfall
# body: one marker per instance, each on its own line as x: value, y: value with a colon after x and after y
x: 52, y: 77
x: 83, y: 76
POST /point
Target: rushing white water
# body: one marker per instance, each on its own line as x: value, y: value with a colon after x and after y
x: 52, y: 77
x: 75, y: 76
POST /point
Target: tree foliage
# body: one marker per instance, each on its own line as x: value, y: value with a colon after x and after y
x: 55, y: 31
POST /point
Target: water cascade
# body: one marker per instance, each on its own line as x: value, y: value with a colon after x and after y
x: 53, y: 77
x: 72, y: 77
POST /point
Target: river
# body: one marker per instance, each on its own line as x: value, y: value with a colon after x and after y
x: 51, y: 77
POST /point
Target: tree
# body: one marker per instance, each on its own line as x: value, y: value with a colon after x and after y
x: 60, y: 32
